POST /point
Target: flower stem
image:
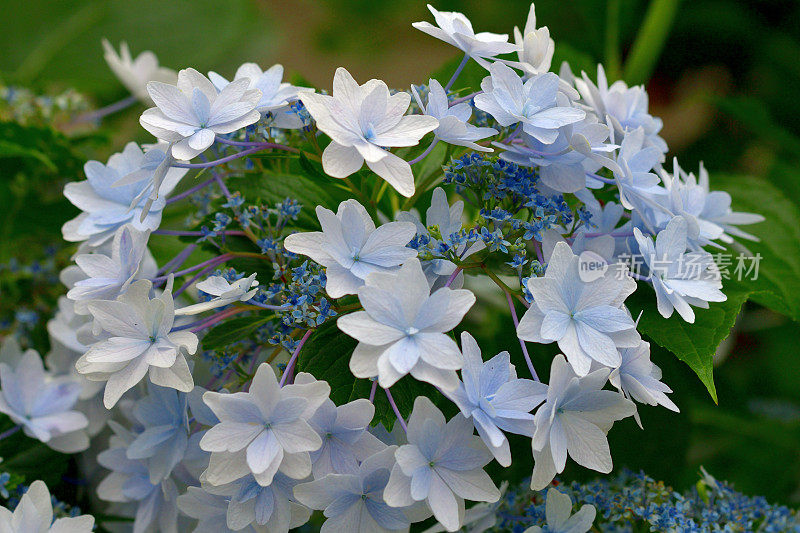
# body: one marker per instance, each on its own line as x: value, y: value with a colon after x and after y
x: 372, y: 391
x: 453, y: 276
x: 189, y: 192
x: 396, y: 410
x: 98, y: 114
x: 293, y: 360
x: 9, y: 432
x: 464, y: 98
x: 455, y: 75
x: 521, y: 342
x: 215, y: 318
x: 243, y: 153
x: 427, y: 151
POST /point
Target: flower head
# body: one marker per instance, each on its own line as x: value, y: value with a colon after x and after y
x: 191, y: 113
x: 136, y: 73
x: 43, y: 404
x: 454, y: 127
x: 34, y: 514
x: 558, y: 512
x: 494, y: 398
x: 442, y: 464
x: 263, y: 430
x: 107, y: 205
x: 586, y: 318
x: 140, y: 340
x: 455, y: 29
x: 535, y: 47
x: 276, y: 95
x: 350, y: 247
x: 402, y: 328
x: 224, y: 292
x: 536, y: 103
x: 362, y: 121
x: 574, y: 421
x: 681, y: 279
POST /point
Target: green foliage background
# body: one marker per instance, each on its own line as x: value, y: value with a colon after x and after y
x: 725, y: 82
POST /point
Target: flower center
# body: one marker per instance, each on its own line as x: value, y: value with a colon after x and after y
x: 411, y: 330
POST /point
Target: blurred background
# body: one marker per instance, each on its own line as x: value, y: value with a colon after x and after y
x: 725, y: 83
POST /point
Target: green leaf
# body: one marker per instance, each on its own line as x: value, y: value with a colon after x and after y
x: 694, y: 344
x: 8, y: 149
x: 233, y: 330
x: 310, y: 190
x: 326, y: 355
x: 778, y: 283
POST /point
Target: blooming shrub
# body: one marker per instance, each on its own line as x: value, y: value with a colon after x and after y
x: 239, y: 379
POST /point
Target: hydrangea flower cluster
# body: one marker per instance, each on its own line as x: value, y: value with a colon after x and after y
x: 306, y: 259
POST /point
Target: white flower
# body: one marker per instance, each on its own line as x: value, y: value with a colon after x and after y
x: 354, y: 502
x: 558, y: 508
x: 495, y: 399
x: 350, y: 247
x: 43, y: 404
x: 535, y: 46
x: 192, y: 113
x: 136, y: 73
x: 403, y: 327
x: 586, y: 318
x: 575, y: 420
x: 536, y: 103
x: 563, y: 164
x: 108, y: 277
x: 34, y: 514
x: 251, y: 507
x: 455, y: 29
x: 640, y: 379
x: 345, y: 439
x: 141, y: 340
x: 106, y: 205
x: 225, y: 293
x: 680, y: 279
x: 448, y: 219
x: 276, y: 96
x: 480, y: 517
x: 263, y: 430
x: 711, y: 211
x: 623, y: 108
x: 454, y: 127
x: 362, y: 121
x: 442, y: 464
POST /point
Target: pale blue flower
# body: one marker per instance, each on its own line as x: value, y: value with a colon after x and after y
x: 494, y: 398
x: 224, y: 292
x: 639, y: 378
x: 456, y: 30
x: 354, y: 502
x: 574, y: 421
x: 454, y: 127
x: 535, y: 46
x: 363, y: 121
x: 442, y: 464
x: 345, y: 439
x: 190, y: 114
x: 276, y: 96
x: 586, y: 318
x: 263, y: 430
x: 558, y: 512
x: 265, y: 508
x: 135, y: 73
x: 350, y: 247
x: 165, y: 431
x: 566, y: 163
x: 108, y: 277
x: 625, y: 108
x: 402, y: 329
x: 152, y: 504
x: 107, y: 205
x: 141, y: 341
x: 709, y: 210
x: 681, y: 279
x: 536, y: 103
x: 43, y: 404
x: 34, y: 514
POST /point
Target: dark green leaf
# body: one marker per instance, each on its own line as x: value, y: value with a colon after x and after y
x: 233, y: 330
